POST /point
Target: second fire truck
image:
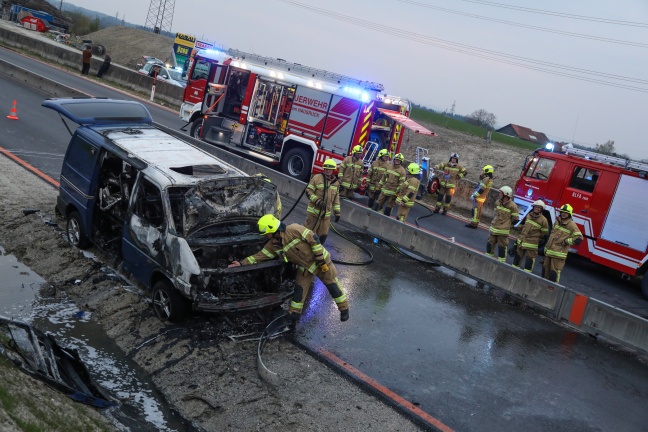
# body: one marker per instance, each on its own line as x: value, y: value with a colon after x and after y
x: 288, y: 114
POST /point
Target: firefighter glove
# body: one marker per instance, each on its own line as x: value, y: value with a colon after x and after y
x: 318, y: 202
x: 399, y: 201
x: 337, y: 218
x: 518, y: 241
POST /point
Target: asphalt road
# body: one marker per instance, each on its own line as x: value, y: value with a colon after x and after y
x: 467, y: 357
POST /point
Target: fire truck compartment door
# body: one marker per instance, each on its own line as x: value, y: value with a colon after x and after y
x: 407, y: 122
x: 340, y: 124
x: 626, y: 219
x: 308, y: 112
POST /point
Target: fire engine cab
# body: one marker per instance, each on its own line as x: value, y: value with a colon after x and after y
x: 608, y: 195
x: 287, y: 114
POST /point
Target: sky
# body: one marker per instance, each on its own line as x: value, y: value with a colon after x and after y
x: 477, y: 54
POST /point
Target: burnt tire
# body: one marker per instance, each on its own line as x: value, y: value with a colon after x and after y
x: 196, y: 129
x: 75, y: 231
x: 167, y: 303
x: 297, y: 163
x: 433, y: 185
x: 644, y: 285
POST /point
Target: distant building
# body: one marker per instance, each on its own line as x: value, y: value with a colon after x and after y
x: 524, y: 133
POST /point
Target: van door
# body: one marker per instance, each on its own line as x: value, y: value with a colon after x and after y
x: 535, y: 181
x: 144, y: 235
x: 578, y: 193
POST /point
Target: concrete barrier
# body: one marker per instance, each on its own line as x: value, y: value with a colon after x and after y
x: 556, y: 301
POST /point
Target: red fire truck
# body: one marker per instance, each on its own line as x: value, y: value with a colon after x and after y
x: 287, y: 114
x: 608, y: 195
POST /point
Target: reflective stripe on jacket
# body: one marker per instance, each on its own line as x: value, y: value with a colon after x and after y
x: 561, y: 238
x: 316, y: 189
x: 505, y: 216
x: 350, y: 172
x: 376, y: 173
x: 533, y: 230
x: 483, y: 188
x: 393, y: 178
x: 408, y: 190
x: 450, y: 174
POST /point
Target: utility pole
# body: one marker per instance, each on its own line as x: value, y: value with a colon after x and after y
x: 452, y: 110
x: 61, y: 5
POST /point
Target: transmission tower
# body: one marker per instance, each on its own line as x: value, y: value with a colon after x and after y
x: 160, y: 15
x: 452, y: 110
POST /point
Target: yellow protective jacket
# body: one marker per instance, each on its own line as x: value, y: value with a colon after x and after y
x: 297, y: 244
x: 376, y: 173
x: 562, y: 238
x: 407, y: 192
x: 392, y: 180
x: 533, y: 230
x: 350, y: 172
x: 318, y: 187
x: 451, y: 174
x: 505, y: 216
x: 483, y: 188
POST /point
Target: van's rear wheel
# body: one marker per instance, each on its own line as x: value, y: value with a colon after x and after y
x: 167, y: 303
x: 297, y: 163
x: 75, y: 232
x: 196, y: 128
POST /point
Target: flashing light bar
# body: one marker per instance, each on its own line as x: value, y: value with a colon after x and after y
x: 364, y: 96
x: 549, y: 147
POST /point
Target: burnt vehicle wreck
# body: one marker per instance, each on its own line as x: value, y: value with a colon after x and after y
x: 173, y: 214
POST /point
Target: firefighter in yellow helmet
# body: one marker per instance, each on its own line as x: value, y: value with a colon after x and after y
x: 323, y: 198
x: 452, y: 172
x: 300, y: 246
x: 534, y: 232
x: 278, y: 202
x: 392, y: 180
x: 564, y: 234
x: 375, y: 174
x: 350, y: 172
x: 506, y: 215
x: 480, y: 194
x: 408, y: 191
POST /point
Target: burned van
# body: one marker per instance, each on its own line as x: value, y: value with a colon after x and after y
x: 173, y: 214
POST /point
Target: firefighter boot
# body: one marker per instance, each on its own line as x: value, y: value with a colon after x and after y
x: 489, y: 250
x: 501, y: 253
x: 516, y: 260
x: 323, y: 238
x: 387, y: 211
x: 344, y: 315
x: 375, y: 207
x: 528, y: 264
x: 445, y: 211
x: 554, y: 276
x: 371, y: 200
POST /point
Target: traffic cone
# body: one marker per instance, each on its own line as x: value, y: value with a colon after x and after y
x: 13, y: 114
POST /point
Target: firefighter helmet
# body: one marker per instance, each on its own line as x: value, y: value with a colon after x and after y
x: 263, y: 177
x: 506, y: 191
x: 329, y: 164
x: 413, y: 168
x: 488, y: 169
x: 356, y: 149
x: 400, y: 157
x: 454, y: 155
x: 268, y: 224
x: 382, y: 153
x: 539, y: 203
x: 566, y: 208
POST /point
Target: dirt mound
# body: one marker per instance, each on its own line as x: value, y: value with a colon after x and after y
x: 126, y: 45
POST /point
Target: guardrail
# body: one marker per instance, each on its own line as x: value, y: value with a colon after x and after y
x: 559, y: 302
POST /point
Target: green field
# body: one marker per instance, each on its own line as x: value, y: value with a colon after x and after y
x: 460, y: 126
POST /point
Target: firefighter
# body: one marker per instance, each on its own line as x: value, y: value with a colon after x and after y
x: 407, y: 192
x: 506, y: 214
x: 564, y: 234
x: 300, y: 246
x: 278, y: 203
x: 452, y: 172
x: 390, y: 183
x: 375, y: 174
x: 323, y: 196
x: 480, y: 194
x: 534, y: 232
x: 350, y: 172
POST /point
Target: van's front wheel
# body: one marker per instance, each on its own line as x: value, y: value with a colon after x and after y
x: 297, y: 163
x: 75, y: 232
x: 196, y: 128
x: 167, y: 303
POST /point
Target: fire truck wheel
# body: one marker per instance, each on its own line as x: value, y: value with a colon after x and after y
x: 196, y: 128
x: 433, y: 185
x: 297, y: 163
x: 644, y: 285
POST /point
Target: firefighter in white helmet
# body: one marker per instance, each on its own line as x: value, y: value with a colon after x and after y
x: 506, y: 215
x: 480, y: 194
x: 323, y: 198
x: 534, y: 232
x: 389, y: 185
x: 350, y: 172
x: 451, y: 173
x: 300, y: 246
x: 564, y: 235
x: 375, y: 174
x: 407, y: 191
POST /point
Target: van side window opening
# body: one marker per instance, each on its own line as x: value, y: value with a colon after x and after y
x: 148, y: 203
x: 540, y: 169
x: 584, y: 179
x: 177, y: 201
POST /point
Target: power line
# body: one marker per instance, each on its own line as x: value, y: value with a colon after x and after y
x: 560, y: 14
x: 482, y: 53
x: 527, y: 26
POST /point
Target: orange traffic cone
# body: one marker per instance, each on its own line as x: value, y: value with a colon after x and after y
x: 13, y: 114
